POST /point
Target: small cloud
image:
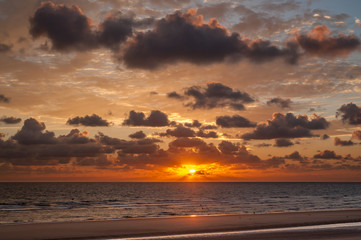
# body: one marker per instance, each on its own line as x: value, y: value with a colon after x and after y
x: 155, y: 119
x: 283, y: 142
x: 178, y: 132
x: 327, y: 154
x: 4, y: 99
x: 339, y: 142
x: 318, y: 42
x: 234, y: 121
x: 287, y: 126
x: 92, y: 121
x: 10, y: 120
x: 282, y: 103
x: 325, y: 136
x: 350, y: 113
x: 138, y: 135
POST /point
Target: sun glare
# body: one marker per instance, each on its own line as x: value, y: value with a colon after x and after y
x: 192, y: 171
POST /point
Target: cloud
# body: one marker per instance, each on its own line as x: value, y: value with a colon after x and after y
x: 325, y: 136
x: 75, y: 137
x: 185, y: 142
x: 356, y: 134
x: 138, y: 135
x: 93, y: 121
x: 32, y: 145
x: 282, y: 142
x: 287, y: 126
x: 195, y: 123
x: 234, y: 121
x: 339, y: 142
x: 10, y: 120
x: 179, y: 131
x: 327, y: 154
x: 318, y: 42
x: 118, y: 27
x: 295, y: 156
x: 114, y: 30
x: 282, y: 103
x: 215, y: 95
x: 67, y: 27
x: 350, y: 113
x: 227, y: 147
x: 210, y: 134
x: 100, y: 161
x: 5, y: 47
x: 155, y: 119
x: 4, y: 99
x: 33, y: 133
x: 175, y: 95
x: 186, y: 37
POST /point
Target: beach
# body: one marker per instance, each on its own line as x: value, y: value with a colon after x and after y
x: 144, y: 227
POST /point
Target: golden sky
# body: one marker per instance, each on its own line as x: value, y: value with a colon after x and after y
x: 155, y: 90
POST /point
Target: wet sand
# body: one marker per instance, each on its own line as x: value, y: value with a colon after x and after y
x: 183, y: 225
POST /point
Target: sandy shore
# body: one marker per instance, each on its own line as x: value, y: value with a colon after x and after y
x: 174, y: 225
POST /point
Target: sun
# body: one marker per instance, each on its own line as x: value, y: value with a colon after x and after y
x: 192, y: 171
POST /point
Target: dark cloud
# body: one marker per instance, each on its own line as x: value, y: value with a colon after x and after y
x: 356, y: 134
x: 186, y: 37
x: 10, y: 120
x: 339, y: 142
x: 115, y: 30
x: 138, y: 135
x: 282, y: 103
x: 32, y: 145
x: 283, y: 142
x: 4, y: 99
x: 234, y: 121
x: 5, y: 47
x: 141, y: 146
x: 209, y: 127
x: 350, y: 113
x: 179, y: 131
x: 185, y: 142
x: 195, y: 124
x: 210, y: 134
x: 92, y: 121
x: 325, y: 136
x: 263, y: 145
x: 318, y: 42
x: 287, y: 126
x: 295, y: 156
x: 327, y: 154
x: 75, y: 137
x: 155, y: 119
x: 227, y: 147
x: 175, y: 95
x: 236, y: 154
x: 67, y: 27
x: 33, y: 133
x: 215, y: 95
x: 118, y: 27
x: 101, y: 161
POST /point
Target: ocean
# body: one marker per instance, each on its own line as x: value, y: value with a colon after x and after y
x: 62, y: 202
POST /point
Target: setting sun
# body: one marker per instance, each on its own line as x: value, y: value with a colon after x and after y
x: 192, y: 171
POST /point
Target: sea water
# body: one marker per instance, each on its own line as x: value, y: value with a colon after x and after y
x: 60, y: 202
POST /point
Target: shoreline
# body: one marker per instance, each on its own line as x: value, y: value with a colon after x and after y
x: 138, y: 227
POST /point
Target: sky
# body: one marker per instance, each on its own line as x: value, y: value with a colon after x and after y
x: 130, y: 90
